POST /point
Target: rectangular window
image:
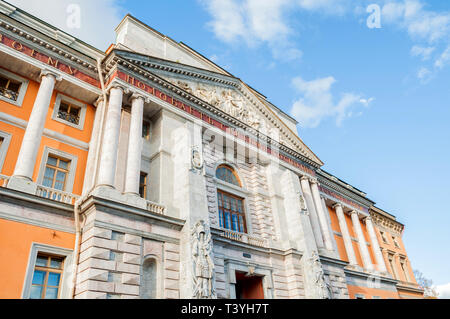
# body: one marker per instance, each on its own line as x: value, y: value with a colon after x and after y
x: 46, y: 282
x: 69, y: 112
x: 231, y: 212
x: 391, y: 264
x: 395, y: 242
x: 405, y: 270
x: 56, y: 171
x: 9, y: 88
x: 143, y: 185
x: 383, y: 236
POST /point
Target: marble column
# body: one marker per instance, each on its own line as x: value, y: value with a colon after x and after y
x: 35, y: 128
x: 330, y: 228
x: 322, y: 217
x: 375, y: 245
x: 133, y: 170
x: 345, y: 235
x: 92, y: 160
x: 108, y: 158
x: 362, y: 241
x: 304, y: 181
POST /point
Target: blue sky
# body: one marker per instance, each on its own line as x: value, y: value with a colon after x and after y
x: 373, y: 103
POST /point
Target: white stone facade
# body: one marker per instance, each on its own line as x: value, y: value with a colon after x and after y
x: 168, y: 242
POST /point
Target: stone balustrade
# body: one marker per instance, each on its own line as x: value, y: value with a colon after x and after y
x: 56, y: 195
x: 244, y: 238
x: 4, y: 180
x: 156, y: 208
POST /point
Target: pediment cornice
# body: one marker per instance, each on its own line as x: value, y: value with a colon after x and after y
x: 164, y: 69
x: 115, y: 63
x: 48, y: 46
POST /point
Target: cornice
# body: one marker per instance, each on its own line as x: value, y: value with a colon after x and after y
x: 40, y: 43
x: 177, y: 70
x: 48, y: 30
x: 345, y: 192
x: 387, y: 223
x: 115, y: 63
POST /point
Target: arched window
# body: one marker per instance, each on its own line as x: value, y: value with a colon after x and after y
x: 227, y: 174
x: 149, y: 276
x: 231, y: 207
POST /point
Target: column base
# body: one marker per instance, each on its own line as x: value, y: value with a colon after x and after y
x: 108, y: 192
x: 22, y: 184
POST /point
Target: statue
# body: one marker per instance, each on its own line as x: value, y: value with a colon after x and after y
x: 196, y: 159
x: 322, y: 286
x: 203, y: 272
x: 302, y: 202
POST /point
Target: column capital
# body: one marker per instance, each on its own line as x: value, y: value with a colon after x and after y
x: 354, y: 212
x: 137, y: 95
x: 336, y: 205
x: 116, y: 85
x: 47, y: 72
x: 99, y: 100
x: 314, y: 181
x: 304, y: 178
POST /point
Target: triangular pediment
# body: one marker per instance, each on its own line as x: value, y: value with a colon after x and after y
x: 226, y: 93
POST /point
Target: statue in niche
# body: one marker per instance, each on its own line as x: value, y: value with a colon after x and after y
x: 203, y: 272
x: 322, y: 287
x: 196, y: 158
x: 302, y: 202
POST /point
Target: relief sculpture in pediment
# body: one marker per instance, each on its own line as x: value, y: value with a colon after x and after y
x: 227, y: 101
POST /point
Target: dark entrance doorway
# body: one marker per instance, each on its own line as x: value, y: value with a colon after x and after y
x: 249, y: 287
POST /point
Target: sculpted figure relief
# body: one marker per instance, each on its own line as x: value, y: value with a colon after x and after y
x: 203, y: 272
x: 322, y: 286
x: 228, y: 101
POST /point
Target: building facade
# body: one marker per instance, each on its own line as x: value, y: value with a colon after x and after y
x: 148, y: 171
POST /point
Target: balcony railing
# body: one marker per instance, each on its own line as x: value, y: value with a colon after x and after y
x: 56, y: 195
x: 244, y: 238
x: 4, y: 180
x: 9, y: 94
x: 156, y: 208
x: 74, y: 119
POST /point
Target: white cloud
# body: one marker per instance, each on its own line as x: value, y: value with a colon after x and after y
x: 423, y: 52
x: 97, y: 18
x: 423, y: 26
x: 444, y: 59
x: 317, y: 102
x: 424, y: 75
x: 443, y: 291
x: 264, y: 21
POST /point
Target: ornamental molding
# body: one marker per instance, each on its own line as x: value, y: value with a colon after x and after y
x: 176, y: 70
x: 387, y: 223
x: 46, y: 47
x: 133, y: 74
x: 344, y: 197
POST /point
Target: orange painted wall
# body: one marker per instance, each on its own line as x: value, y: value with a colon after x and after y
x: 14, y: 147
x: 370, y: 292
x: 24, y: 113
x: 15, y: 240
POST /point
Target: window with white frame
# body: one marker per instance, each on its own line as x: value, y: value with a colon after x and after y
x: 12, y: 87
x: 47, y: 275
x: 394, y: 239
x: 69, y: 111
x: 5, y: 139
x: 231, y: 207
x: 57, y: 170
x: 405, y: 269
